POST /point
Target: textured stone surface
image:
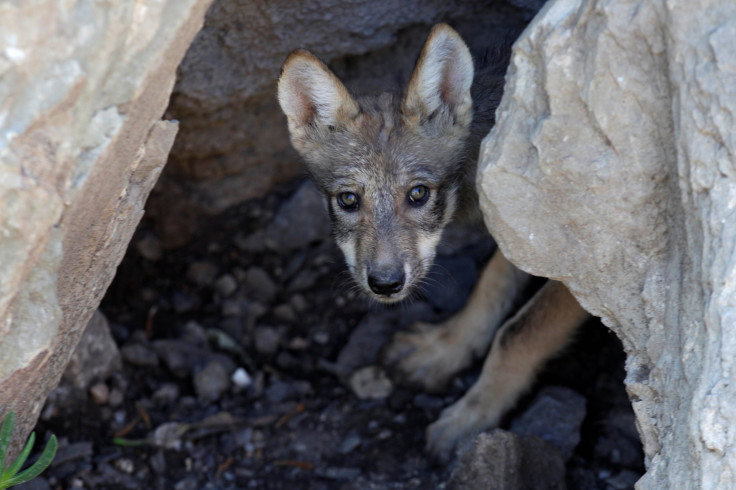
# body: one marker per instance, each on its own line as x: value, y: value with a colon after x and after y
x: 83, y: 89
x: 555, y: 415
x: 233, y: 142
x: 611, y: 168
x: 504, y: 461
x: 96, y: 356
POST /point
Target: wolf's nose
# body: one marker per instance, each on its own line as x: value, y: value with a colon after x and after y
x: 386, y: 281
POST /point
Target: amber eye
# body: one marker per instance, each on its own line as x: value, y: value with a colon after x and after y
x: 348, y: 201
x: 418, y: 195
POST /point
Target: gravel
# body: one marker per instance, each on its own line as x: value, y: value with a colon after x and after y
x: 260, y: 370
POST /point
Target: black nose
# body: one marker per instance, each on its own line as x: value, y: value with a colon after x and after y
x: 386, y: 281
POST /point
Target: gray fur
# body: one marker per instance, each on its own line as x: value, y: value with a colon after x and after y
x: 383, y: 151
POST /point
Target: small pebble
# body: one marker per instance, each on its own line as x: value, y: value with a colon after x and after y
x: 267, y: 340
x: 370, y: 382
x: 211, y: 382
x: 167, y: 394
x: 322, y: 338
x: 299, y: 303
x: 124, y: 465
x: 226, y: 285
x: 260, y: 285
x: 116, y: 398
x: 241, y: 379
x: 285, y: 313
x: 100, y: 393
x: 149, y: 247
x: 139, y: 355
x: 202, y: 273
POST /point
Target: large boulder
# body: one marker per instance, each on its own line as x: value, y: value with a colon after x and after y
x: 84, y: 86
x: 612, y: 168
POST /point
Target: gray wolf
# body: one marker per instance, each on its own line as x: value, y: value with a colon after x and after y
x: 394, y: 170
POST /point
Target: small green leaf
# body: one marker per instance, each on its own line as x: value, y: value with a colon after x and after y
x: 36, y: 468
x: 18, y: 463
x: 5, y: 432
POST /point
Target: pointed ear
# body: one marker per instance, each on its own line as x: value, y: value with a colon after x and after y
x: 309, y: 93
x: 442, y: 78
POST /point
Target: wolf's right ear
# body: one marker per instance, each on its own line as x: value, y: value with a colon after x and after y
x: 442, y: 78
x: 309, y: 93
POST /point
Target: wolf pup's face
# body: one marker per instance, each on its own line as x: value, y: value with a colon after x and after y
x: 389, y: 167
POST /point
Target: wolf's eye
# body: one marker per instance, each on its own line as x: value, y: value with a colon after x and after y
x: 348, y: 201
x: 418, y: 195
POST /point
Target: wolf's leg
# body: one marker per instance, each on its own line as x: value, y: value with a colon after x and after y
x: 523, y: 344
x: 429, y: 356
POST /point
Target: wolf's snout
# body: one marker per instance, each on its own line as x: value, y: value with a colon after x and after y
x: 386, y: 280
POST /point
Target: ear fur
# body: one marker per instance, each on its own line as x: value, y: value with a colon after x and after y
x: 442, y: 78
x: 309, y: 93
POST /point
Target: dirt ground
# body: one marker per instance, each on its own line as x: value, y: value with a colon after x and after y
x: 239, y: 353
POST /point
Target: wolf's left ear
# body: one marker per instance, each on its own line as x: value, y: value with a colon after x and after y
x: 310, y: 94
x: 441, y: 79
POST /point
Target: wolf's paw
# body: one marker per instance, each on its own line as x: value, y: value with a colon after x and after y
x: 426, y: 357
x: 459, y: 422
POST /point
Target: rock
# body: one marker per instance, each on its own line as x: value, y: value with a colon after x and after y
x: 304, y: 280
x: 82, y: 144
x: 194, y: 333
x: 202, y: 272
x: 370, y: 382
x: 298, y: 303
x: 618, y: 442
x: 623, y: 480
x: 99, y: 393
x: 502, y: 460
x: 339, y: 473
x: 494, y: 461
x: 116, y: 397
x: 38, y: 483
x: 226, y: 285
x: 352, y: 440
x: 285, y: 313
x: 168, y: 436
x: 168, y: 393
x: 66, y: 453
x: 183, y: 359
x: 364, y: 343
x: 184, y: 302
x: 259, y: 285
x: 281, y: 391
x: 96, y: 356
x: 241, y: 379
x: 211, y: 382
x: 187, y: 483
x: 555, y: 415
x: 267, y: 340
x: 139, y: 355
x: 300, y: 221
x: 611, y: 168
x: 149, y: 247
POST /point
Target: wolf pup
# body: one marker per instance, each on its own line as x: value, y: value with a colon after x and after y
x: 394, y: 171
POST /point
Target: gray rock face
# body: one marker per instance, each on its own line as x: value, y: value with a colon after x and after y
x: 555, y: 416
x: 502, y: 460
x: 96, y: 356
x: 611, y: 168
x: 83, y: 89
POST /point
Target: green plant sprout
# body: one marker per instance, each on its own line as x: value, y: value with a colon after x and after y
x: 11, y: 477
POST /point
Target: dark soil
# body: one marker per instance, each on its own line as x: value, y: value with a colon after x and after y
x: 288, y: 316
